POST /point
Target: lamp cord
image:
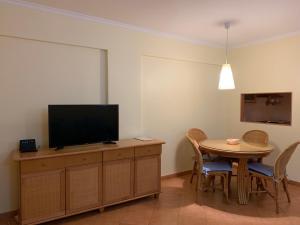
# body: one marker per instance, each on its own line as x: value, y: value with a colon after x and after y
x: 227, y: 25
x: 226, y: 43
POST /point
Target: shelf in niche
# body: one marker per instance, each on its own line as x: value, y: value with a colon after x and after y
x: 267, y: 108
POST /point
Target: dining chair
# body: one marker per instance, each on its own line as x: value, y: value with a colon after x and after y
x: 276, y: 174
x: 197, y: 135
x: 210, y: 170
x: 256, y: 137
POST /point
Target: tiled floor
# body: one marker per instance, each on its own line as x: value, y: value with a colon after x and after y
x: 178, y: 205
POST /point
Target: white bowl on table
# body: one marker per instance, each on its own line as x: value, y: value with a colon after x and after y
x: 233, y: 141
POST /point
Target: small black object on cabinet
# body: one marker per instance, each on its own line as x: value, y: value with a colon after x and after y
x: 27, y: 145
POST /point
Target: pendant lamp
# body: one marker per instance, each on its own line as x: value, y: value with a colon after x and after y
x: 226, y: 81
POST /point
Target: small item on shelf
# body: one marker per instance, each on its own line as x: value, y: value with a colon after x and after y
x: 144, y: 138
x: 27, y: 145
x: 233, y: 141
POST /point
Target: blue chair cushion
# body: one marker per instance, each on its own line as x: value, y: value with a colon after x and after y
x: 216, y: 166
x: 261, y: 168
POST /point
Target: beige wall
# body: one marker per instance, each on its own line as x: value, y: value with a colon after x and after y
x: 268, y: 67
x: 178, y: 95
x: 33, y: 75
x: 77, y: 67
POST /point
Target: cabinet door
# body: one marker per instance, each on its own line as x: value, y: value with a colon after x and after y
x: 147, y: 175
x: 117, y: 180
x: 82, y: 187
x: 42, y: 196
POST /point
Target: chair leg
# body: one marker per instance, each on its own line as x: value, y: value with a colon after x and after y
x: 257, y: 184
x: 222, y: 181
x: 222, y: 177
x: 213, y: 183
x: 207, y: 182
x: 276, y: 195
x: 197, y: 183
x: 204, y: 181
x: 285, y: 187
x: 229, y: 180
x: 197, y: 179
x: 193, y: 171
x: 226, y: 186
x: 260, y: 184
x: 266, y: 183
x: 200, y: 181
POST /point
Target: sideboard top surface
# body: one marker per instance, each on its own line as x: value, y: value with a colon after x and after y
x: 81, y: 149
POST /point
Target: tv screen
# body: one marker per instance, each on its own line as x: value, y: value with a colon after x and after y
x: 82, y: 124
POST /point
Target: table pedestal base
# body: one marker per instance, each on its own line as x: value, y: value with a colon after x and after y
x: 242, y: 181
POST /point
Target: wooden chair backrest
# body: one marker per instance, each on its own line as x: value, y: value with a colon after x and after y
x: 198, y: 155
x: 256, y: 137
x: 196, y: 134
x: 282, y: 161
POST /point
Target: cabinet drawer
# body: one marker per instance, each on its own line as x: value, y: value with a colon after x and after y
x: 118, y: 154
x: 40, y: 165
x: 82, y: 159
x: 147, y: 150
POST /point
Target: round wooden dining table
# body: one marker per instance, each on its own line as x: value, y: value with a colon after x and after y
x: 243, y: 152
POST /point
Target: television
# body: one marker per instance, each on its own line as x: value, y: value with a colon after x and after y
x: 82, y: 124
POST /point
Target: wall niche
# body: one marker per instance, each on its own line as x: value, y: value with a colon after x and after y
x: 270, y: 108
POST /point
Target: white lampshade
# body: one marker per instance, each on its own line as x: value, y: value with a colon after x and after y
x: 226, y: 78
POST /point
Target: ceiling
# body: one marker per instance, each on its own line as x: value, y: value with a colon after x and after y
x: 196, y: 20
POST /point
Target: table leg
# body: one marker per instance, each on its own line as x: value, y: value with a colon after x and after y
x: 242, y: 181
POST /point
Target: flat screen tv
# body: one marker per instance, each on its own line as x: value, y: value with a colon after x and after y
x: 82, y: 124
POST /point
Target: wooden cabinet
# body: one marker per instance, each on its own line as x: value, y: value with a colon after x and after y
x: 83, y: 182
x: 56, y: 184
x: 41, y: 165
x: 42, y: 196
x: 82, y: 187
x: 118, y: 169
x: 147, y: 170
x: 83, y: 159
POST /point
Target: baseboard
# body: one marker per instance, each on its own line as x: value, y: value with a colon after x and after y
x: 293, y: 182
x: 178, y: 174
x: 8, y: 215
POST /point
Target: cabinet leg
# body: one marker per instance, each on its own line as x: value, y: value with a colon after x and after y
x: 101, y: 210
x: 156, y: 195
x: 16, y: 218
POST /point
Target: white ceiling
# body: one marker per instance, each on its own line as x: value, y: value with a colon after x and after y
x: 196, y: 20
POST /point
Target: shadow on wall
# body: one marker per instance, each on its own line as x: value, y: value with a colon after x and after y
x: 184, y: 155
